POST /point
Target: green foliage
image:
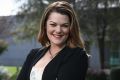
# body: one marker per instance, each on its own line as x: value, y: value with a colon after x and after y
x: 9, y: 72
x: 3, y: 46
x: 26, y: 32
x: 4, y: 74
x: 30, y: 14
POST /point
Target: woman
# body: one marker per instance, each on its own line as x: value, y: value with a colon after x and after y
x: 62, y: 56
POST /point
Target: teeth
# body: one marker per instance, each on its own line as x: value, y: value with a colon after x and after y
x: 57, y: 36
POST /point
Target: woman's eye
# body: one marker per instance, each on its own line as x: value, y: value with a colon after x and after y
x: 52, y: 24
x: 65, y: 26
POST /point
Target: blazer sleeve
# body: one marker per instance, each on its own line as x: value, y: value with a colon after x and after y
x: 23, y: 75
x: 75, y: 68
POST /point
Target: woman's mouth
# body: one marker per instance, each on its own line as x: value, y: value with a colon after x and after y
x: 57, y: 36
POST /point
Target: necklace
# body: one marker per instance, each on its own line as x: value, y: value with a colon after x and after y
x: 51, y: 54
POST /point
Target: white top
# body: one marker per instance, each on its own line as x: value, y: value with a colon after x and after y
x: 36, y: 74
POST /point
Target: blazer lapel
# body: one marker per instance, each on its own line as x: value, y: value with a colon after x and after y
x: 52, y: 68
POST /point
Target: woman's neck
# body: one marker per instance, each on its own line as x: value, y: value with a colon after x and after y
x: 55, y: 49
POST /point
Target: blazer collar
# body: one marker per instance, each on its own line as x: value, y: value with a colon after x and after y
x: 52, y: 68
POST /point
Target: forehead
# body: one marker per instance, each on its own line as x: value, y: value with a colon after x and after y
x: 58, y: 17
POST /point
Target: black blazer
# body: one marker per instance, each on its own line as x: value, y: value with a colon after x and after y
x: 69, y: 64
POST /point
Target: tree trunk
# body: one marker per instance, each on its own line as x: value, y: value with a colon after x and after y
x: 101, y: 34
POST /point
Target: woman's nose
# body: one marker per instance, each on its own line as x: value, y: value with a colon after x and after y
x: 58, y: 29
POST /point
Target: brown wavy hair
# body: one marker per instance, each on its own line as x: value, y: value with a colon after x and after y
x: 62, y: 7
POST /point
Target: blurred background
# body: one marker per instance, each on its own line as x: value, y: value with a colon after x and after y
x: 99, y: 23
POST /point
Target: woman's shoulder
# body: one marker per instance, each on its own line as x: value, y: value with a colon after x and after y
x: 34, y: 51
x: 80, y: 52
x: 75, y: 54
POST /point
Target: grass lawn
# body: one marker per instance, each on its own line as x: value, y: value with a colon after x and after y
x: 13, y: 71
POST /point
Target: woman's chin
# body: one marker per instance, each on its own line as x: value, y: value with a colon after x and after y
x: 58, y: 43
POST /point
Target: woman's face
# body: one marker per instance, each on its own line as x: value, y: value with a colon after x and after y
x: 57, y: 27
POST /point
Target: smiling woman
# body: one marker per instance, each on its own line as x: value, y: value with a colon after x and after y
x: 58, y: 28
x: 63, y: 55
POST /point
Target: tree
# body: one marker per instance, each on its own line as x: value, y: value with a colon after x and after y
x: 95, y: 15
x: 4, y: 24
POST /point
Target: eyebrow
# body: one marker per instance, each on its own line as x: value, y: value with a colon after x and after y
x: 55, y: 22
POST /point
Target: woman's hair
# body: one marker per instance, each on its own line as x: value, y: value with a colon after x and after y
x: 62, y: 7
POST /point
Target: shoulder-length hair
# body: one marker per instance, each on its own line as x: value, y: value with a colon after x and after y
x: 62, y: 7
